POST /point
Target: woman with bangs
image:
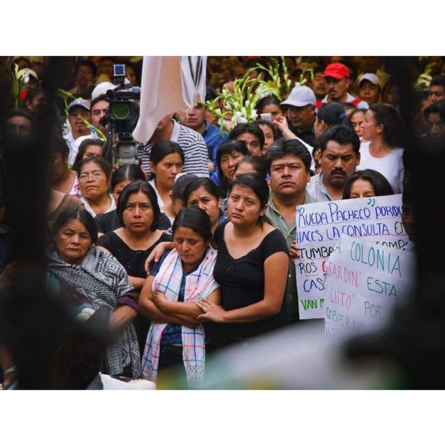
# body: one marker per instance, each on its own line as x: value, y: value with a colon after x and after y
x: 251, y: 268
x: 138, y: 212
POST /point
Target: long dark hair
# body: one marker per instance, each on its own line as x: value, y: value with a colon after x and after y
x: 388, y: 116
x: 135, y: 187
x: 257, y: 184
x: 379, y: 183
x: 228, y: 147
x: 162, y: 149
x: 196, y: 219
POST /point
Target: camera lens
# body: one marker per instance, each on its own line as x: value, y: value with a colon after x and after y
x: 121, y: 110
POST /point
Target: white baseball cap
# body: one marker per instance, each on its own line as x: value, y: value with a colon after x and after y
x: 300, y: 96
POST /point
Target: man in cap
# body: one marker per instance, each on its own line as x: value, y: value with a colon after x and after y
x: 369, y: 88
x: 300, y: 113
x: 338, y: 81
x: 78, y: 115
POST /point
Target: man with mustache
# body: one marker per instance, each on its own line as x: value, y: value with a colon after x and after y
x: 288, y: 163
x: 339, y: 146
x: 337, y: 78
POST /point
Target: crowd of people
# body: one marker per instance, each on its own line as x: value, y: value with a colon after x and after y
x: 193, y: 248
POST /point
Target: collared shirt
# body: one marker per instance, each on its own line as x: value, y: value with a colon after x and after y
x: 290, y: 234
x: 317, y: 189
x: 213, y: 136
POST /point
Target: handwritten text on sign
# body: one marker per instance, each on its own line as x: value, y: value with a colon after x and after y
x: 363, y: 282
x: 319, y: 227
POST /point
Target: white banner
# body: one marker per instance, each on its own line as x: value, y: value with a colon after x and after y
x: 168, y: 84
x: 363, y: 282
x: 320, y: 225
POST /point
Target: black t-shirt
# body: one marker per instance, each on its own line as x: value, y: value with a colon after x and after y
x: 132, y: 260
x: 242, y: 283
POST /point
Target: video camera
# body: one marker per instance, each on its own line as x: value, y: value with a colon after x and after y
x: 122, y: 116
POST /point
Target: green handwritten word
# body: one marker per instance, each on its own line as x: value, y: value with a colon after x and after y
x: 337, y: 215
x: 375, y: 257
x: 387, y: 211
x: 373, y: 310
x: 312, y: 304
x: 381, y: 287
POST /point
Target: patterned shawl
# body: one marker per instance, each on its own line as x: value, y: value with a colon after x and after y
x: 199, y: 284
x: 102, y: 280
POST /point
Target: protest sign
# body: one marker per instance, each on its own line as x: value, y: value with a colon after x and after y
x: 363, y: 282
x: 320, y: 225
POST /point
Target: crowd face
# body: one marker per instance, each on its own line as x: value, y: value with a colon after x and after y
x: 436, y: 93
x: 118, y: 188
x: 288, y: 176
x: 167, y: 169
x: 193, y: 118
x: 37, y: 102
x: 73, y: 242
x: 338, y: 162
x: 191, y: 247
x: 57, y: 166
x: 18, y: 127
x: 356, y: 121
x: 252, y: 142
x: 301, y: 118
x: 370, y: 129
x: 274, y: 110
x: 84, y: 76
x: 98, y: 111
x: 361, y: 188
x: 138, y: 213
x: 391, y: 95
x: 436, y: 126
x: 243, y: 168
x: 319, y: 85
x: 207, y: 202
x: 244, y: 207
x: 268, y: 138
x: 337, y: 88
x: 408, y: 221
x: 76, y: 117
x: 369, y: 92
x: 92, y: 150
x: 93, y: 181
x: 131, y: 75
x: 228, y: 163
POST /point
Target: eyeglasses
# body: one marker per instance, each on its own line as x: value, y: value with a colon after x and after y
x: 96, y: 175
x: 84, y: 73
